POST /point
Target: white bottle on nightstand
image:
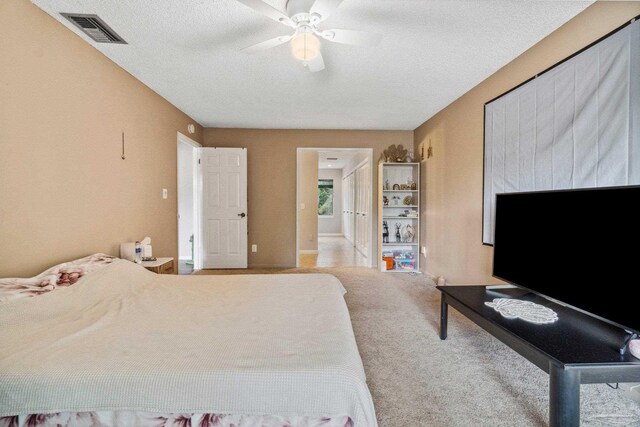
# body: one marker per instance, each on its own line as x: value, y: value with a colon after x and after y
x: 138, y: 252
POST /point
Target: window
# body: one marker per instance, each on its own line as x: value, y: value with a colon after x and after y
x: 325, y: 197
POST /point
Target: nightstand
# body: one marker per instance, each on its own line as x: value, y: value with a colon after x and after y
x: 160, y: 266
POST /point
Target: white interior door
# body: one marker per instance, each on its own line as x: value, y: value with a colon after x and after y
x: 345, y: 208
x: 349, y: 211
x: 363, y: 184
x: 224, y: 207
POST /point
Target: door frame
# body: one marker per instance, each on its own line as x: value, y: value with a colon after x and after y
x: 183, y: 139
x: 372, y: 255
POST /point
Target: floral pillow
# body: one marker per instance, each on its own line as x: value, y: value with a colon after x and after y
x: 62, y: 275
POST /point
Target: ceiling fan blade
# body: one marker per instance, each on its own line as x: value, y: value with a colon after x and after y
x: 352, y: 37
x: 324, y: 8
x: 268, y: 11
x: 316, y: 64
x: 267, y: 44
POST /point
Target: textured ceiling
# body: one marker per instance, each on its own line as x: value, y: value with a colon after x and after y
x: 432, y: 52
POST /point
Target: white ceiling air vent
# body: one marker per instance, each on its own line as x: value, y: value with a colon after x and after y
x: 94, y: 27
x: 332, y: 158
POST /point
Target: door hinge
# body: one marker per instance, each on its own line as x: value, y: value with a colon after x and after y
x: 198, y: 161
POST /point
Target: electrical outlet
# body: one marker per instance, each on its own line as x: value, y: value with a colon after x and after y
x: 165, y: 193
x: 423, y: 251
x: 302, y: 206
x: 254, y: 248
x: 311, y: 237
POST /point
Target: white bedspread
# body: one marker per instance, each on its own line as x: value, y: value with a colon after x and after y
x: 124, y: 338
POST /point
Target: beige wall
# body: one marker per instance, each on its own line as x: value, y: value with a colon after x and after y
x: 454, y: 174
x: 307, y: 196
x: 272, y: 178
x: 64, y: 190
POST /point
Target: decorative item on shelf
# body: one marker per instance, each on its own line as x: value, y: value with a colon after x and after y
x: 398, y: 236
x: 385, y: 200
x: 408, y: 200
x: 396, y: 186
x: 386, y: 185
x: 396, y: 200
x: 395, y: 154
x: 411, y: 184
x: 385, y: 232
x: 409, y: 232
x: 387, y: 257
x: 412, y: 214
x: 403, y: 186
x: 403, y: 214
x: 409, y: 158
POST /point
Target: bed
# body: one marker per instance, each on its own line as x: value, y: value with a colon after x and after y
x: 110, y: 343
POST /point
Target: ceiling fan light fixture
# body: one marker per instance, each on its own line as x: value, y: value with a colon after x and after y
x: 305, y: 46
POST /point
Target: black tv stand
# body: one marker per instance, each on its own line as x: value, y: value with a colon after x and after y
x: 625, y: 345
x: 577, y: 349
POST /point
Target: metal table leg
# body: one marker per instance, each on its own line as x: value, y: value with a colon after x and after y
x: 444, y: 315
x: 564, y: 397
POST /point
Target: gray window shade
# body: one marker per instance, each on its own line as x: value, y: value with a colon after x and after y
x: 575, y: 126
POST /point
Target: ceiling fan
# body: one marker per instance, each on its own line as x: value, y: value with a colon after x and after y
x: 304, y: 16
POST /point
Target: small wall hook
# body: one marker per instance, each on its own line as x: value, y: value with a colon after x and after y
x: 123, y: 146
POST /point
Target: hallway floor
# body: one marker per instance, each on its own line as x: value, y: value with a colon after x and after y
x: 334, y: 252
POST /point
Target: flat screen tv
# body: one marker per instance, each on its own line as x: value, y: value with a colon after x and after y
x: 578, y: 247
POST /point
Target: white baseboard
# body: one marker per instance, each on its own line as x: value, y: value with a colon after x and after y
x: 330, y: 235
x: 308, y: 252
x: 184, y: 258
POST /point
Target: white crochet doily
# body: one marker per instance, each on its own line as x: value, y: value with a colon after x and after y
x: 525, y: 310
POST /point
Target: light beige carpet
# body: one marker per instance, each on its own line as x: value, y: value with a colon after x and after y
x: 471, y: 379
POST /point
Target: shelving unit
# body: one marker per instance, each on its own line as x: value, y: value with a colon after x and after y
x: 402, y: 256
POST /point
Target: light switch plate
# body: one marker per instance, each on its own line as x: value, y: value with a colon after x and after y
x: 302, y: 206
x: 254, y: 248
x: 165, y: 193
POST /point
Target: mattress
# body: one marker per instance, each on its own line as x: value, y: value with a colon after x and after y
x: 125, y: 339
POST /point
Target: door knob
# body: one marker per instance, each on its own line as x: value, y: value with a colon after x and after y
x: 242, y: 215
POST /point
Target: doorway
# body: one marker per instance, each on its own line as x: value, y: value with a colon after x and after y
x: 188, y: 217
x: 334, y: 202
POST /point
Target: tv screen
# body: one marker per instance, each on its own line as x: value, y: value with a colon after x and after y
x: 579, y: 247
